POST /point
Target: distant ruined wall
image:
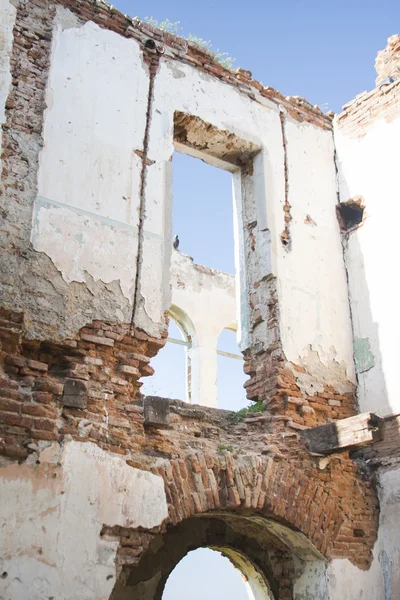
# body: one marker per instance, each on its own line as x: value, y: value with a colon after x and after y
x: 204, y: 303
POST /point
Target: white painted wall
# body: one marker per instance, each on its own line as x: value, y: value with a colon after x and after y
x: 52, y: 514
x: 207, y: 297
x: 89, y: 181
x: 314, y: 306
x: 311, y: 277
x: 368, y: 166
x: 7, y: 19
x: 180, y: 87
x: 89, y: 174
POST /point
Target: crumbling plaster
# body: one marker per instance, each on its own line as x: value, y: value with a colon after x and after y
x: 30, y: 280
x: 207, y: 298
x: 366, y: 164
x: 382, y: 580
x: 89, y: 173
x: 90, y: 177
x: 7, y: 19
x: 312, y: 279
x: 52, y: 512
x: 179, y: 87
x: 67, y: 293
x: 305, y: 286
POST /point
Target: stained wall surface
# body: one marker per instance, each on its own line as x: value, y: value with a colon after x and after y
x: 52, y: 513
x: 8, y: 14
x: 89, y: 173
x: 105, y: 109
x: 366, y: 141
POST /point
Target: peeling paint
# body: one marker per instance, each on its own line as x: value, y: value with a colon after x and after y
x: 52, y: 514
x: 367, y: 159
x: 8, y: 14
x: 322, y: 371
x: 363, y: 356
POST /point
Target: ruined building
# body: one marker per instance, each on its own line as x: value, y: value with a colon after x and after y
x: 102, y: 490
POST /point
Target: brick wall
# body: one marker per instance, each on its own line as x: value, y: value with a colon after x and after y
x: 387, y: 63
x: 87, y: 388
x: 279, y: 384
x: 359, y: 115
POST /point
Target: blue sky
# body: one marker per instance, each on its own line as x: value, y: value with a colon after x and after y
x: 323, y: 51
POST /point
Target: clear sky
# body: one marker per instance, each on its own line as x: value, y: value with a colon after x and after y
x: 323, y: 51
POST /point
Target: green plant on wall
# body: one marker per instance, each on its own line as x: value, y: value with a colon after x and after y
x: 225, y: 448
x: 166, y: 25
x: 248, y: 411
x: 174, y: 27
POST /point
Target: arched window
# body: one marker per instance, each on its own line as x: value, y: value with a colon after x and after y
x: 231, y: 377
x: 172, y: 365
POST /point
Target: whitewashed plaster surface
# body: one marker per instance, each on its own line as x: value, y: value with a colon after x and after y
x: 311, y: 277
x: 207, y: 299
x: 7, y: 19
x: 367, y: 167
x: 180, y: 87
x: 52, y: 514
x: 314, y: 306
x: 89, y: 180
x: 89, y: 174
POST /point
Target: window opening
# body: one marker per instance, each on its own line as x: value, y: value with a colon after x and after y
x: 202, y: 213
x: 231, y: 377
x: 206, y: 573
x: 170, y: 365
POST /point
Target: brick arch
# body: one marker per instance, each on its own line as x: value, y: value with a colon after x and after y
x: 264, y: 562
x: 335, y: 510
x: 284, y: 508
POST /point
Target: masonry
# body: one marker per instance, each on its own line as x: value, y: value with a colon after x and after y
x: 104, y: 490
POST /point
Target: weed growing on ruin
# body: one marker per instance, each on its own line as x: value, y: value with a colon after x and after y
x: 174, y: 27
x: 248, y: 411
x: 166, y: 25
x: 222, y: 57
x: 223, y: 447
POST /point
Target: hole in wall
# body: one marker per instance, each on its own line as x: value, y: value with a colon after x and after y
x: 350, y: 214
x: 206, y: 574
x: 150, y: 44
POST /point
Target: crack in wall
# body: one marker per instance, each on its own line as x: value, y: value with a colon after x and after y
x: 152, y: 59
x: 344, y: 241
x: 285, y: 235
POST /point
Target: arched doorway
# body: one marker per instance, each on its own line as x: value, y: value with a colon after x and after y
x: 222, y: 581
x: 269, y: 556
